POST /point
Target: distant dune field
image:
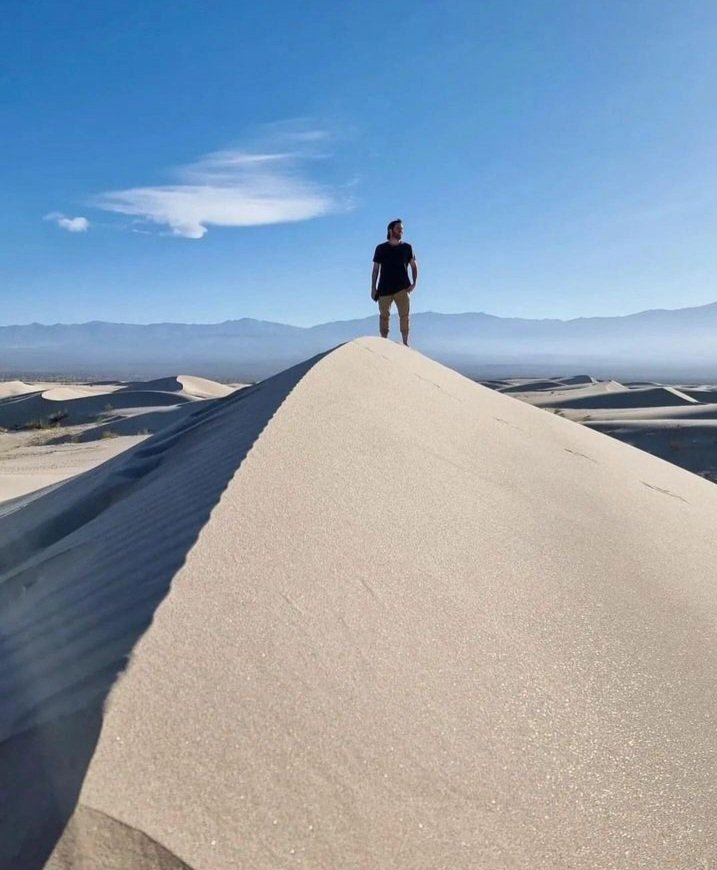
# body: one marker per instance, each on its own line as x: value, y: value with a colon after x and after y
x: 676, y: 422
x: 50, y: 432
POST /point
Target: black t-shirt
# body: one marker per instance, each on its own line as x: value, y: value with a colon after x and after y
x: 394, y: 260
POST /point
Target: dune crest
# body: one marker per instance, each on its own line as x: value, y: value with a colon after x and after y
x: 375, y: 615
x: 10, y: 389
x: 66, y: 393
x: 202, y: 388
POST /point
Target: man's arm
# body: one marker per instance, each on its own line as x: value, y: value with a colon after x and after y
x: 413, y: 266
x: 374, y: 281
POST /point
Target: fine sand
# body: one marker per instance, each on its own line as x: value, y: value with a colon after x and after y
x: 365, y: 614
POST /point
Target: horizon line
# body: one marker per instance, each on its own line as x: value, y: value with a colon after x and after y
x: 350, y: 319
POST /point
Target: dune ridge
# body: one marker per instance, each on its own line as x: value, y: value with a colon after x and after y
x: 368, y: 613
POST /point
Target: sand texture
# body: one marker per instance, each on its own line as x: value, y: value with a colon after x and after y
x: 365, y: 614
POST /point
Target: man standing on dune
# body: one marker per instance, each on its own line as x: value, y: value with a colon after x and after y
x: 390, y: 281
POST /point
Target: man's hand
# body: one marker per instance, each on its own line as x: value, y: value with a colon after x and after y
x: 374, y: 295
x: 411, y: 288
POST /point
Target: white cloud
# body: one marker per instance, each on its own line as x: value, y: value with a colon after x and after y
x: 72, y: 225
x: 232, y: 188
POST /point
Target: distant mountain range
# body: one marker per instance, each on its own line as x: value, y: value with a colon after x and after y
x: 659, y: 344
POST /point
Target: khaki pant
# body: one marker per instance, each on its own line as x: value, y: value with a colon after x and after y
x: 384, y: 306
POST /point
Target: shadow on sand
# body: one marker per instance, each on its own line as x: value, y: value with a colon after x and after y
x: 84, y: 567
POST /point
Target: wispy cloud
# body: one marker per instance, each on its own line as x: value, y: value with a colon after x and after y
x: 237, y: 187
x: 72, y: 225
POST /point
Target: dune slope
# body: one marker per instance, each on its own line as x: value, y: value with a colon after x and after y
x: 376, y: 615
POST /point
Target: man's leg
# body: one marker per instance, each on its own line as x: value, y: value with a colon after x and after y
x: 403, y: 304
x: 384, y: 306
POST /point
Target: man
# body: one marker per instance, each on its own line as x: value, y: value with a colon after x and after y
x: 389, y: 279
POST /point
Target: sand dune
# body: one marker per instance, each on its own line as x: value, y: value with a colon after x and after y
x: 202, y: 388
x: 536, y: 385
x: 569, y: 394
x: 84, y: 403
x: 641, y: 397
x: 8, y: 389
x: 138, y: 422
x: 675, y: 423
x: 531, y: 385
x: 705, y: 394
x: 366, y: 614
x: 187, y: 385
x: 42, y: 431
x: 170, y: 384
x: 675, y: 413
x: 65, y: 393
x: 21, y: 404
x: 689, y: 443
x: 25, y: 410
x: 577, y: 380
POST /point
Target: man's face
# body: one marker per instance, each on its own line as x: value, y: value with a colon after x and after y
x: 397, y: 231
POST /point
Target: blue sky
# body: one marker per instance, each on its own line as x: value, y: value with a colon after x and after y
x: 199, y: 162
